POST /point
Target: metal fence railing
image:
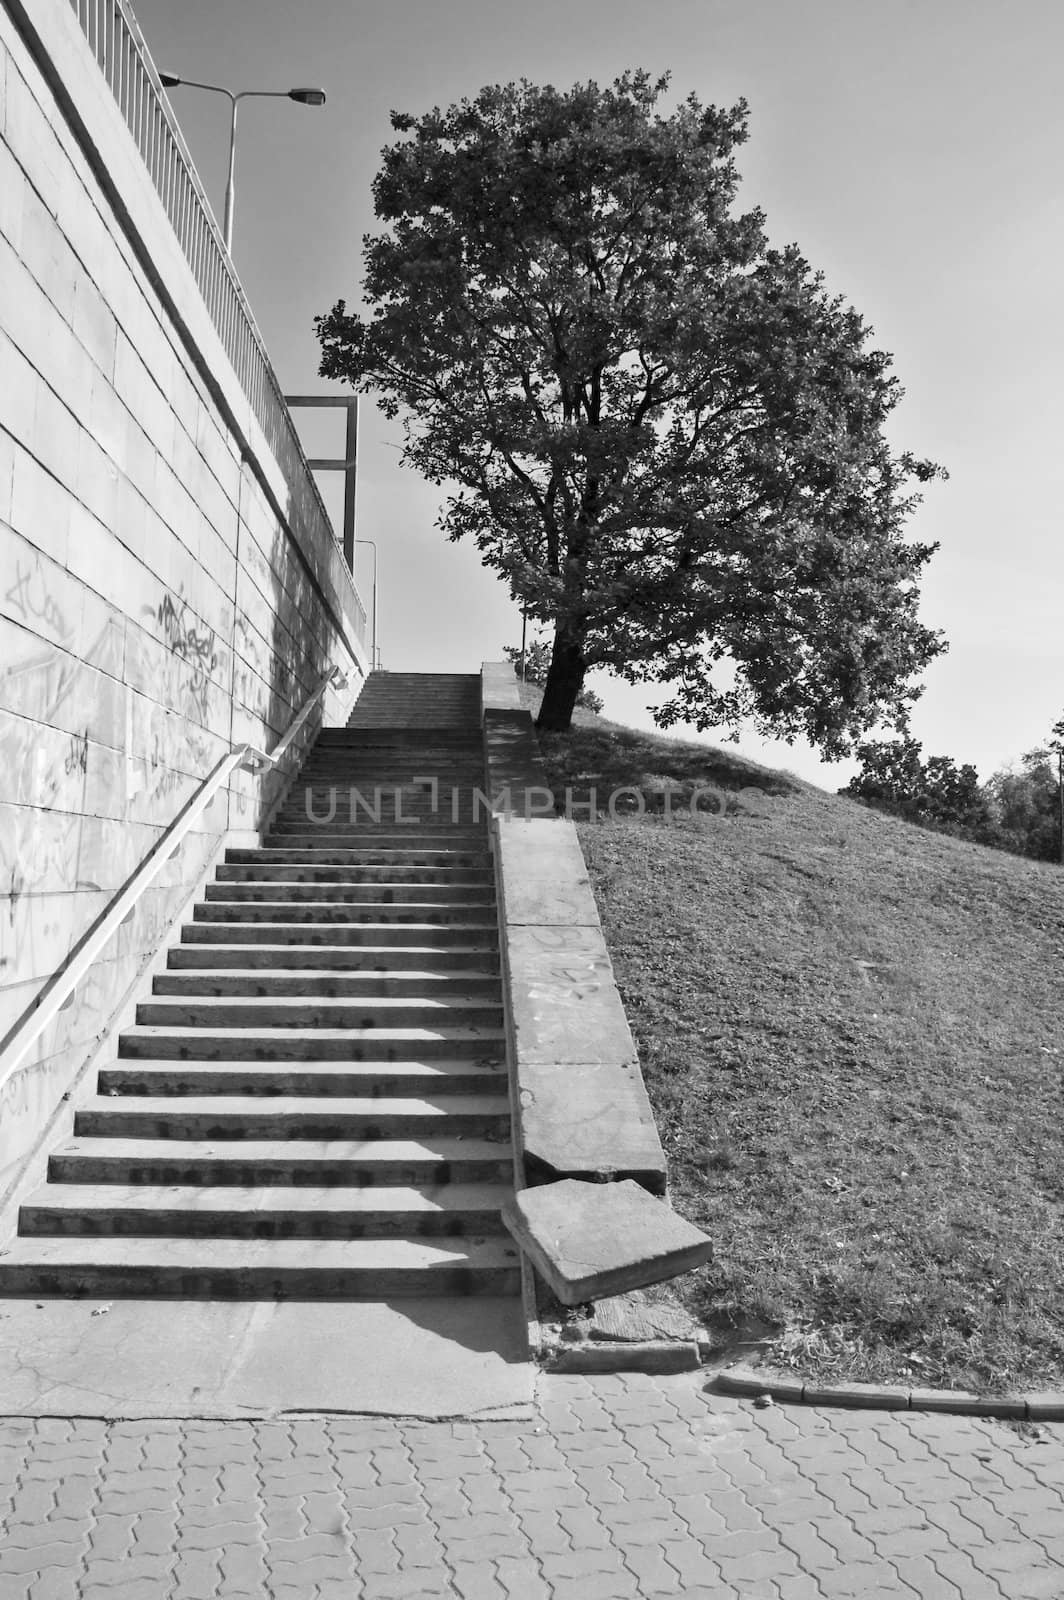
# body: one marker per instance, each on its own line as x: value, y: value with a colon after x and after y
x: 114, y: 36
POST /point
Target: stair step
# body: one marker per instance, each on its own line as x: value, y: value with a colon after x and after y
x: 470, y: 913
x: 320, y: 983
x: 454, y: 893
x: 350, y: 1078
x: 359, y: 1163
x: 297, y: 1044
x: 370, y: 875
x: 254, y: 1117
x: 194, y: 1211
x: 299, y: 1011
x: 365, y: 856
x: 367, y: 843
x: 371, y: 835
x: 413, y: 821
x: 379, y: 769
x: 376, y: 958
x: 276, y: 1269
x: 460, y: 937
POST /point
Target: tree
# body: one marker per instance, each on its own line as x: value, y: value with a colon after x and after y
x: 935, y: 792
x: 1026, y: 804
x: 664, y: 434
x: 537, y: 665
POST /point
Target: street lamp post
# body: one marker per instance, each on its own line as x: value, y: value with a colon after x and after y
x: 373, y: 646
x: 305, y: 97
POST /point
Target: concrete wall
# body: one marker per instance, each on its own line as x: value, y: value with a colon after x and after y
x: 167, y: 587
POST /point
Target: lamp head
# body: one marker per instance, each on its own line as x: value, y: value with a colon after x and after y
x: 169, y: 80
x: 308, y: 97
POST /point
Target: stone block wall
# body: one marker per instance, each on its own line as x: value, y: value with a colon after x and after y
x: 167, y: 587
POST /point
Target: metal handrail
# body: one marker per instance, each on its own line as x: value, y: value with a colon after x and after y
x: 61, y: 985
x: 114, y: 36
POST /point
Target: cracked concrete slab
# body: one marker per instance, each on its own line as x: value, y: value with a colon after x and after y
x: 590, y: 1240
x: 151, y: 1358
x: 590, y: 1120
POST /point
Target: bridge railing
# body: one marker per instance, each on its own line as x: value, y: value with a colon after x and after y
x: 114, y: 36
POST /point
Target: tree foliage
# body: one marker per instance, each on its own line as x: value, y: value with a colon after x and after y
x: 935, y: 792
x: 664, y: 434
x: 1016, y: 809
x: 1025, y: 801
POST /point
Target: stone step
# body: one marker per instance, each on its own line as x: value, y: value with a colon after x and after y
x: 397, y: 873
x: 469, y: 914
x: 266, y: 1269
x: 384, y: 744
x: 359, y: 1163
x: 414, y: 799
x: 236, y: 1118
x: 298, y: 1011
x: 321, y: 983
x: 377, y: 768
x: 414, y: 820
x: 459, y: 937
x: 353, y: 958
x: 359, y: 1079
x: 296, y: 1044
x: 365, y: 856
x: 317, y: 800
x: 199, y: 1212
x: 362, y: 834
x: 367, y: 895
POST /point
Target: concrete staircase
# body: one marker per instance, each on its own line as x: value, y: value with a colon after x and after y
x: 314, y: 1101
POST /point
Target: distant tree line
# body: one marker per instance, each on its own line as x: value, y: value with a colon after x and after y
x: 1016, y: 809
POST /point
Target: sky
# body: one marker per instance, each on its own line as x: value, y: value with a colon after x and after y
x: 911, y: 148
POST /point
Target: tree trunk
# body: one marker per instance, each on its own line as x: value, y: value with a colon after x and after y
x: 565, y: 679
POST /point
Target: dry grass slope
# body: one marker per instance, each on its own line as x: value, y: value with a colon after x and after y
x: 852, y: 1031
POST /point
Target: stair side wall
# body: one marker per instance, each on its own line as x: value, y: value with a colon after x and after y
x: 168, y: 586
x: 580, y: 1105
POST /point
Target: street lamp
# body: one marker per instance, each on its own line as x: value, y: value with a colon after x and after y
x: 373, y: 646
x: 305, y: 97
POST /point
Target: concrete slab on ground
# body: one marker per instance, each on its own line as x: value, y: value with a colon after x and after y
x: 157, y: 1358
x: 590, y: 1240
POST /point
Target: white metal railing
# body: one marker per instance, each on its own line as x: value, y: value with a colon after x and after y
x: 115, y: 39
x: 61, y: 985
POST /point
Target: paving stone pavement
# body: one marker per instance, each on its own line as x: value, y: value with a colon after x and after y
x: 610, y: 1488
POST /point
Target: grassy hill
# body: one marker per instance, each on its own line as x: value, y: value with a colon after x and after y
x: 852, y: 1033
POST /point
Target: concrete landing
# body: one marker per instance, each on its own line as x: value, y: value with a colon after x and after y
x: 150, y: 1358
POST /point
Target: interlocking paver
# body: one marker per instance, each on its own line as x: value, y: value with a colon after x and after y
x: 628, y: 1486
x: 477, y: 1580
x: 522, y: 1580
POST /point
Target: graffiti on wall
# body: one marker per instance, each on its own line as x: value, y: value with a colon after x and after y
x: 191, y: 644
x: 31, y: 603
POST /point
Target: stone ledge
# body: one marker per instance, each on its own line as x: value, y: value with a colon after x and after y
x: 591, y: 1121
x: 517, y: 778
x: 582, y: 1109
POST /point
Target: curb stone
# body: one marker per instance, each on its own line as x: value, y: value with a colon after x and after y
x: 598, y: 1356
x: 741, y: 1380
